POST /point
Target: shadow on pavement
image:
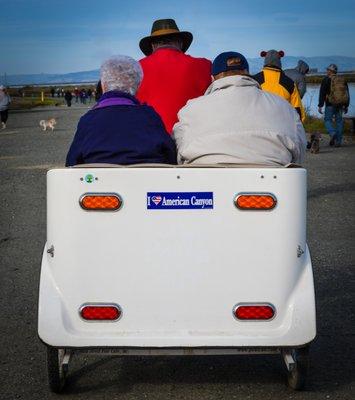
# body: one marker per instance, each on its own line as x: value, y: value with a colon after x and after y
x: 331, y: 190
x: 159, y: 371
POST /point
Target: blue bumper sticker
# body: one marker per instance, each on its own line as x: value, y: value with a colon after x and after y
x: 179, y: 200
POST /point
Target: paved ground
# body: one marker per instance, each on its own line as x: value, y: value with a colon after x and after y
x: 25, y: 155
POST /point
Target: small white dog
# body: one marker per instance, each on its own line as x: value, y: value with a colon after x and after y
x: 44, y: 123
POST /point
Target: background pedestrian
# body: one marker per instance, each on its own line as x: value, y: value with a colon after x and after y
x: 5, y: 101
x: 98, y: 91
x: 83, y: 96
x: 89, y: 93
x: 77, y: 94
x: 334, y: 93
x: 298, y: 75
x: 68, y: 97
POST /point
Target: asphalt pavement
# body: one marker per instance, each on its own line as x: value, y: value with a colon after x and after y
x: 26, y: 153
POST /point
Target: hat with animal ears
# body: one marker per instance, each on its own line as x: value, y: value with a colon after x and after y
x: 272, y: 58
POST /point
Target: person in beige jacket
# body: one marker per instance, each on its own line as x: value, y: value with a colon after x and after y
x: 237, y: 122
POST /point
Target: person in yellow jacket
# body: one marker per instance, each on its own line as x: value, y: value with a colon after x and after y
x: 274, y: 80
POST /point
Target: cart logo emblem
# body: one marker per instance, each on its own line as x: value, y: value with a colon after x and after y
x: 179, y: 200
x: 156, y: 199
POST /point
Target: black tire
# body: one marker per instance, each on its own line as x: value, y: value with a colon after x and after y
x: 296, y: 378
x: 56, y: 373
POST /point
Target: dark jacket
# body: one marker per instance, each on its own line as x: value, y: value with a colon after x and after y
x: 324, y: 92
x: 68, y: 96
x: 98, y: 91
x: 129, y: 133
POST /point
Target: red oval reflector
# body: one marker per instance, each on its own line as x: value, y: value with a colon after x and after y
x: 110, y: 202
x: 255, y: 202
x: 254, y: 312
x: 100, y: 313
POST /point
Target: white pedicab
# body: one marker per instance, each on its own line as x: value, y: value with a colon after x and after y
x: 162, y: 260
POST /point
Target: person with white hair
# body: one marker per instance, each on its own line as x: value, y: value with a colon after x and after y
x: 118, y: 129
x: 4, y: 106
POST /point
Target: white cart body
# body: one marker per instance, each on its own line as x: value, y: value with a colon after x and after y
x: 177, y: 274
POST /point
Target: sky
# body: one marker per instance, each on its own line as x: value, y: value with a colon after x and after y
x: 60, y: 36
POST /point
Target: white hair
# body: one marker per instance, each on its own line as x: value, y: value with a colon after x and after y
x: 121, y: 73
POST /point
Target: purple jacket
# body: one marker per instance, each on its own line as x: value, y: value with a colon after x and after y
x: 120, y: 130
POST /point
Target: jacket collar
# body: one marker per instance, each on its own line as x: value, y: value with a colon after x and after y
x: 118, y: 94
x: 272, y: 68
x: 230, y: 81
x: 167, y: 47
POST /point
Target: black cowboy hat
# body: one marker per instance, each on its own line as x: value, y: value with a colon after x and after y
x: 164, y: 28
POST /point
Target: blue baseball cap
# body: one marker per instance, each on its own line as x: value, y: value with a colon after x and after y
x: 229, y: 61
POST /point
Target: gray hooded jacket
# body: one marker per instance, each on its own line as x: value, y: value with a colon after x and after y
x: 298, y: 76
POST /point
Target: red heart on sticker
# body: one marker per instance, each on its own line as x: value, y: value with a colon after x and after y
x: 156, y: 199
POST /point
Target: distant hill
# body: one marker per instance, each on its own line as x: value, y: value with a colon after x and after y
x: 320, y: 63
x: 47, y: 79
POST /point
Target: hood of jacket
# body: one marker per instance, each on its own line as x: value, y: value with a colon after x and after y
x: 229, y: 81
x: 302, y: 67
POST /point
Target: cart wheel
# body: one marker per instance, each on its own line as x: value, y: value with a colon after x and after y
x: 57, y: 372
x: 296, y: 378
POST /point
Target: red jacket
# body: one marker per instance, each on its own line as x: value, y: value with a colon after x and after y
x: 170, y: 79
